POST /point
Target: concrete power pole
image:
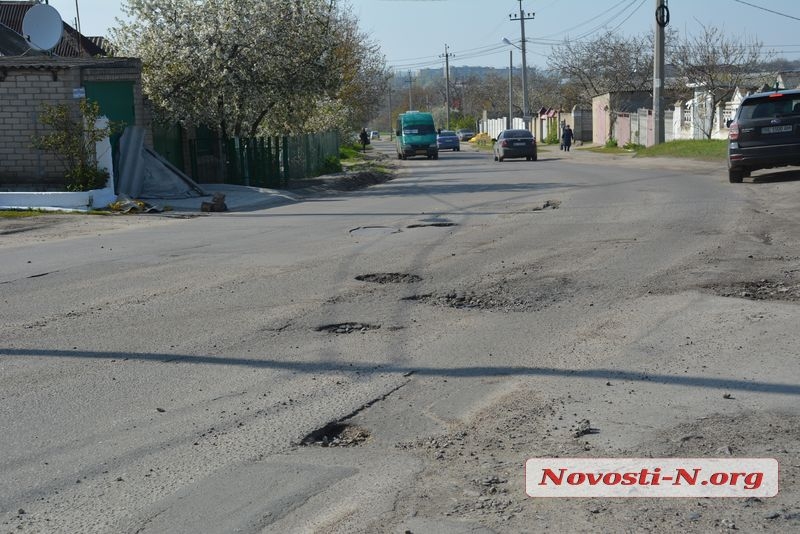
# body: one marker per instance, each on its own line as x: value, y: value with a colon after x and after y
x: 662, y: 19
x: 522, y: 17
x: 510, y: 88
x: 447, y: 84
x: 410, y: 83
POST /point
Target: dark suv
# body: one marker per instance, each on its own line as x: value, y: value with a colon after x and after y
x: 765, y: 133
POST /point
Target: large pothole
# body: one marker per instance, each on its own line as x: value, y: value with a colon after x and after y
x: 504, y: 297
x: 336, y: 434
x: 764, y: 289
x: 347, y: 328
x: 389, y: 278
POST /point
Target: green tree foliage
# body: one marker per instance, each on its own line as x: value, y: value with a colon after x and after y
x: 72, y: 137
x: 247, y: 67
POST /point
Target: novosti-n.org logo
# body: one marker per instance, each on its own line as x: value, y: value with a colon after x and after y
x: 651, y: 477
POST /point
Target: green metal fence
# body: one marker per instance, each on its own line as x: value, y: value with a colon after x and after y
x: 305, y: 155
x: 261, y: 162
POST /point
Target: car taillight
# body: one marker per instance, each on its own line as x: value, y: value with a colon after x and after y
x: 504, y: 143
x: 733, y: 131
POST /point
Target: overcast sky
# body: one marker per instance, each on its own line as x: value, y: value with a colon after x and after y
x: 413, y: 33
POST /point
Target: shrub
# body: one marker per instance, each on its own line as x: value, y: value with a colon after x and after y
x: 632, y: 146
x: 72, y: 139
x: 331, y: 165
x: 611, y: 143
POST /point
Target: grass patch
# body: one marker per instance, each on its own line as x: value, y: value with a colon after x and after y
x: 21, y: 213
x: 608, y: 150
x: 700, y: 149
x: 703, y: 149
x: 18, y: 214
x: 352, y: 151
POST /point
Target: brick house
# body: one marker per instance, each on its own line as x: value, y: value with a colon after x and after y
x: 28, y: 82
x: 78, y: 67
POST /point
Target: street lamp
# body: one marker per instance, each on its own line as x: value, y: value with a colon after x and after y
x: 525, y: 114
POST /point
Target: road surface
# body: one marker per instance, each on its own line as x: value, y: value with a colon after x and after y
x: 386, y: 360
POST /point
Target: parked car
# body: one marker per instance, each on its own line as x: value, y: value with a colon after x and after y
x: 765, y: 133
x: 515, y: 144
x: 374, y: 134
x: 448, y: 140
x: 464, y: 134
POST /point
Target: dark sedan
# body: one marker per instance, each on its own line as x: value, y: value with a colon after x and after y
x: 464, y: 134
x: 765, y: 133
x: 515, y: 144
x: 447, y: 140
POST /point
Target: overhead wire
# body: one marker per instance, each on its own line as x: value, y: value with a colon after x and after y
x: 619, y: 13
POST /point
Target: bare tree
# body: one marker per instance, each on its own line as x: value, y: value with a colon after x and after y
x: 718, y: 64
x: 607, y: 63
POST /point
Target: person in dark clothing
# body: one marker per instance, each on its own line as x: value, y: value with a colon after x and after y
x: 364, y: 138
x: 566, y: 137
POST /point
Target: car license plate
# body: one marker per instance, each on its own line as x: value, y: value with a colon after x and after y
x: 776, y: 129
x: 520, y: 144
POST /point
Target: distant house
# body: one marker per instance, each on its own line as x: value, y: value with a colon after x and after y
x: 609, y: 108
x: 788, y: 79
x: 73, y: 44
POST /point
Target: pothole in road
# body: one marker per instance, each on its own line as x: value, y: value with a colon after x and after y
x: 336, y: 434
x: 550, y: 204
x: 374, y: 231
x: 347, y: 328
x: 432, y: 224
x: 389, y: 278
x: 503, y: 297
x: 764, y: 289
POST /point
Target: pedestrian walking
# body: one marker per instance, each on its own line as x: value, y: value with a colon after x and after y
x: 566, y: 138
x: 364, y: 138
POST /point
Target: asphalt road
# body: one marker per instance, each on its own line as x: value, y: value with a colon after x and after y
x: 385, y: 360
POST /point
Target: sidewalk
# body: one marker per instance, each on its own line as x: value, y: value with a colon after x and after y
x: 237, y: 198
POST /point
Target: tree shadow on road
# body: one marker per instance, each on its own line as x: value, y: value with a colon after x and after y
x: 315, y: 367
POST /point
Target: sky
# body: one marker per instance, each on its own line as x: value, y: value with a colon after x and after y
x: 413, y: 34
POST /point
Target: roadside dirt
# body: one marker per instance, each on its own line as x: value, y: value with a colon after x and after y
x: 475, y: 473
x: 59, y: 226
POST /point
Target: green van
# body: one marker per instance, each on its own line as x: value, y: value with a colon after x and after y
x: 416, y: 135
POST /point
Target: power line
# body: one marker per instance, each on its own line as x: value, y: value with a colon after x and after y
x: 767, y: 10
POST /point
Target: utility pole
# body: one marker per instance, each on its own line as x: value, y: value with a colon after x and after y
x: 522, y: 17
x: 391, y: 125
x: 77, y: 17
x: 410, y: 82
x: 447, y: 83
x: 662, y: 19
x: 510, y: 88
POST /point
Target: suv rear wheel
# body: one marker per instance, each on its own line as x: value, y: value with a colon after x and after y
x: 735, y: 176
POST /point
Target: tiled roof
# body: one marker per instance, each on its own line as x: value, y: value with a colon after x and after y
x: 72, y: 43
x: 63, y: 63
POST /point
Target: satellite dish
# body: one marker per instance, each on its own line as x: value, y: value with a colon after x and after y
x: 42, y: 27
